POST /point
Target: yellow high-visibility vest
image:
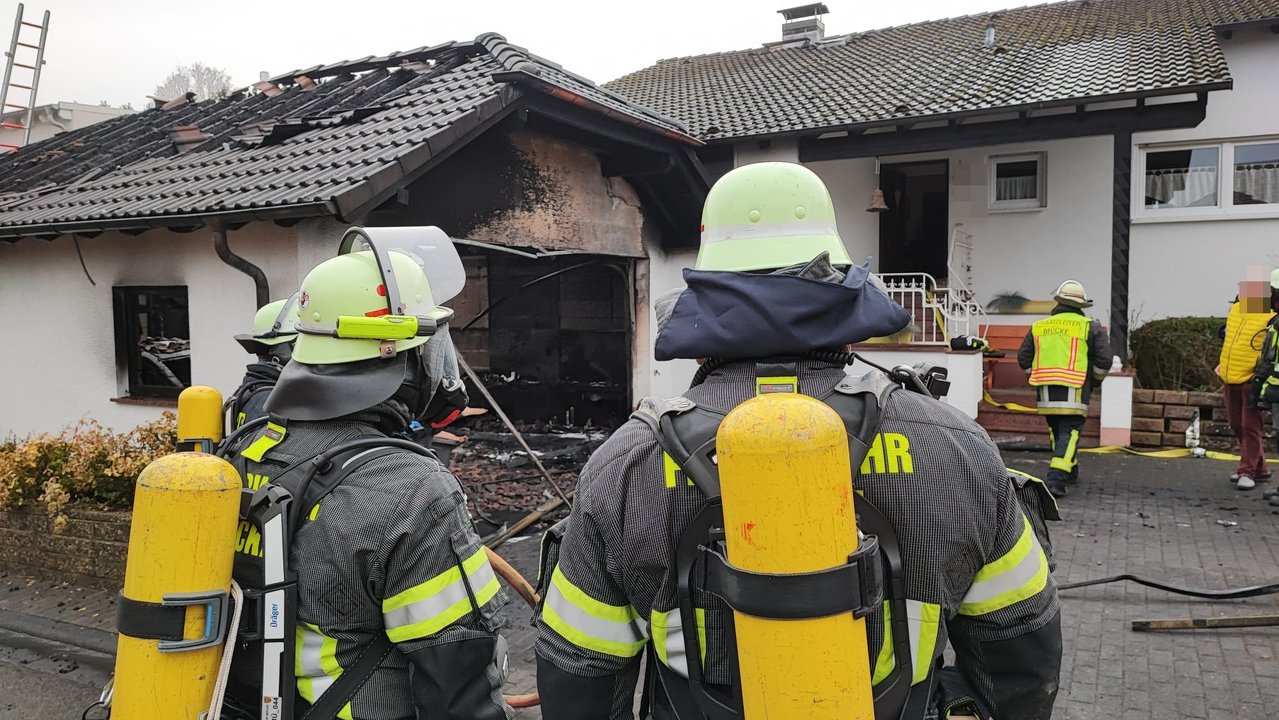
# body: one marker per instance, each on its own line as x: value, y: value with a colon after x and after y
x: 1061, y: 350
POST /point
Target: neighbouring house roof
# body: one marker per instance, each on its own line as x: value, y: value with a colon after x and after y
x: 332, y: 139
x: 1058, y: 54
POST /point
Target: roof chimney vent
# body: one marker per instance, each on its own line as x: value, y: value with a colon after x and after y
x: 804, y: 23
x: 990, y: 35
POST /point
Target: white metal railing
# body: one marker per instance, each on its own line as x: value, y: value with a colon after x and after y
x: 959, y: 294
x: 917, y: 292
x: 940, y: 313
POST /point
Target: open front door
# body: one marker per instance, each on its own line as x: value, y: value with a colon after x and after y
x: 912, y: 233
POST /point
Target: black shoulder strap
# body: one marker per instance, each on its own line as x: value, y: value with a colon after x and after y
x: 332, y: 700
x: 327, y: 471
x: 686, y: 432
x: 321, y: 475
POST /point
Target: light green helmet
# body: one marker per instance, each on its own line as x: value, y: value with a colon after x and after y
x: 272, y: 326
x: 344, y: 314
x: 767, y: 216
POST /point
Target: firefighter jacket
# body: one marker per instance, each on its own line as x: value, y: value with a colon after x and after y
x: 390, y: 550
x: 975, y: 572
x: 1266, y: 376
x: 248, y: 402
x: 1067, y: 355
x: 1241, y: 347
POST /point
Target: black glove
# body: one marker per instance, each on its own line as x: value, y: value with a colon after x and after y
x: 446, y: 404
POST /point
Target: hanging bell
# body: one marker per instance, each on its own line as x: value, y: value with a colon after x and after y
x: 877, y: 203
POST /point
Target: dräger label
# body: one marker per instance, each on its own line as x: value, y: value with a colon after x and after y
x: 274, y: 613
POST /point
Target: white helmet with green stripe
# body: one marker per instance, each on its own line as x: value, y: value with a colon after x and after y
x: 767, y: 216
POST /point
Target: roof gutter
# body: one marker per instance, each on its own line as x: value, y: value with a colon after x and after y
x: 190, y: 220
x: 253, y: 271
x: 965, y: 114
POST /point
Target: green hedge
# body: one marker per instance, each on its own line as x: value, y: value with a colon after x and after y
x: 1177, y: 353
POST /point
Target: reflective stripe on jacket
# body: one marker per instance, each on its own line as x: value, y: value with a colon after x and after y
x: 1061, y: 350
x: 974, y: 570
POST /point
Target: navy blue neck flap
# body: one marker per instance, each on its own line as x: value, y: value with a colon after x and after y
x: 745, y: 315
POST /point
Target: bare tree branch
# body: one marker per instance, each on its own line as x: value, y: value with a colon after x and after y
x: 203, y: 80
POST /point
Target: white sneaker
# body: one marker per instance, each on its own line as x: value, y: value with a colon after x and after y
x: 1245, y: 483
x: 1234, y: 477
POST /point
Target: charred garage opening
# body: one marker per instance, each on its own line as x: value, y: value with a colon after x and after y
x: 550, y: 242
x: 550, y: 336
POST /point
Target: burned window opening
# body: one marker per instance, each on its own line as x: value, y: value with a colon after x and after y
x: 551, y: 337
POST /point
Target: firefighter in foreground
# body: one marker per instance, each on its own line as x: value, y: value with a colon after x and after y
x: 774, y: 281
x: 272, y: 341
x: 390, y: 552
x: 1066, y: 355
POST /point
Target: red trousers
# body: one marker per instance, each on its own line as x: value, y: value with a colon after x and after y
x: 1245, y: 423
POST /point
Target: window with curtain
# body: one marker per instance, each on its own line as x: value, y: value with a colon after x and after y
x: 1017, y: 182
x: 1183, y: 178
x: 1256, y: 176
x: 1230, y: 178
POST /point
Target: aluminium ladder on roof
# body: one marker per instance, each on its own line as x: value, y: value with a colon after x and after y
x: 32, y: 67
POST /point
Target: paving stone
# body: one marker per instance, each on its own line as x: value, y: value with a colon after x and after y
x: 1151, y: 517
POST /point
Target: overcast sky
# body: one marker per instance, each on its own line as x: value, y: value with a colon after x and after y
x: 119, y: 50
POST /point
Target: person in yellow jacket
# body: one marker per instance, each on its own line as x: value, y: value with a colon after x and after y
x: 1240, y: 353
x: 1066, y: 355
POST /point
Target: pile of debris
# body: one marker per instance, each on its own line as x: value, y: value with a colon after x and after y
x: 503, y: 484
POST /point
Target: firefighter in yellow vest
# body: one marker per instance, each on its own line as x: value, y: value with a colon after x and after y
x: 1066, y: 355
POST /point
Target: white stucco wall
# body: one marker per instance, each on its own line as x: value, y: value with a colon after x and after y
x: 1191, y: 267
x: 66, y: 326
x: 1028, y: 251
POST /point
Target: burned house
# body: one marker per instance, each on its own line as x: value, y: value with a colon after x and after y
x: 147, y: 241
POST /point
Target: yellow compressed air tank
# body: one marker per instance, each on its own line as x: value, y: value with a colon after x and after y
x: 788, y: 508
x: 185, y: 512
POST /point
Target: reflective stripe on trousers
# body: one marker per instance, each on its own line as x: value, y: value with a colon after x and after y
x: 317, y: 666
x: 1020, y: 573
x: 430, y: 607
x: 592, y: 624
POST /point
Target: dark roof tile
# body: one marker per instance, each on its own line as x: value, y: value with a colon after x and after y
x: 1048, y: 54
x: 364, y: 125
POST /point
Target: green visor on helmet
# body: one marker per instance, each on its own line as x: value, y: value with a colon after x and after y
x: 766, y: 216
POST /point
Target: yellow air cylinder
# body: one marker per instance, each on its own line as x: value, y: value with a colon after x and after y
x: 199, y: 418
x: 185, y: 512
x: 788, y: 508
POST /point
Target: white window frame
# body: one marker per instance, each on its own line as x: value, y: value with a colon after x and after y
x: 1225, y: 209
x: 1039, y: 202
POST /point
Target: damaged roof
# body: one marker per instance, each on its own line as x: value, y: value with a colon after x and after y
x: 335, y: 139
x: 1058, y: 54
